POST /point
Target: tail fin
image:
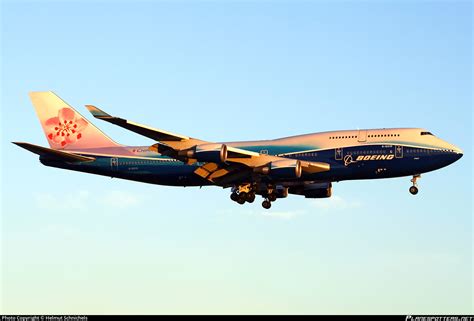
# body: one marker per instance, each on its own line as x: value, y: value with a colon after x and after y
x: 64, y: 127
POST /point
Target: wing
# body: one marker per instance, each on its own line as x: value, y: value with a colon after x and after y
x: 223, y: 164
x: 149, y: 132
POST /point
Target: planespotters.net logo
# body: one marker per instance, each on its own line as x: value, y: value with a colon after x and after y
x: 439, y: 318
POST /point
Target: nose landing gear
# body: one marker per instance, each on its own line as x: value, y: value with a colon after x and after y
x: 414, y: 189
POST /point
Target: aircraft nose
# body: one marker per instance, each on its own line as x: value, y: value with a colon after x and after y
x: 458, y: 151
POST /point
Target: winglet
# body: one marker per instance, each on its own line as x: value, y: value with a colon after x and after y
x: 97, y: 112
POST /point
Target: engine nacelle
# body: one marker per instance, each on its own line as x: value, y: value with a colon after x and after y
x: 318, y: 193
x: 284, y: 169
x: 316, y: 190
x: 215, y: 153
x: 281, y: 191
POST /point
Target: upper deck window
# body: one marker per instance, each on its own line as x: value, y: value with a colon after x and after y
x: 426, y: 133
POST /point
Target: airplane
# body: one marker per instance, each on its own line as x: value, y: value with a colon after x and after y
x: 305, y: 165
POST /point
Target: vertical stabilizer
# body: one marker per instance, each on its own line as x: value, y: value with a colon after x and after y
x: 64, y: 127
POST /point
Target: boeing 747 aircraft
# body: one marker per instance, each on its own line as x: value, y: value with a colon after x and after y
x: 303, y: 165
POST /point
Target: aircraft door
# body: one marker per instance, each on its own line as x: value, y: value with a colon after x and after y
x: 362, y: 137
x: 398, y: 151
x: 338, y: 153
x: 114, y: 163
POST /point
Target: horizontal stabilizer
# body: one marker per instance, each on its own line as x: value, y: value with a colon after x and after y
x: 53, y: 153
x: 153, y: 133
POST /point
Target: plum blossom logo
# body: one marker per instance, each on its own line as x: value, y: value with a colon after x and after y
x: 66, y: 128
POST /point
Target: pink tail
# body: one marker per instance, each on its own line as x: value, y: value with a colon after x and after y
x: 64, y: 127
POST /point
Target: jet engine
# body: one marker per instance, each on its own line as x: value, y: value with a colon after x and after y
x: 281, y: 191
x: 315, y: 190
x: 282, y: 169
x: 216, y: 153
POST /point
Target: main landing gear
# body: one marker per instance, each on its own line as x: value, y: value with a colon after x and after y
x: 242, y: 194
x: 270, y: 197
x: 266, y: 204
x: 414, y: 189
x: 246, y: 193
x: 243, y: 197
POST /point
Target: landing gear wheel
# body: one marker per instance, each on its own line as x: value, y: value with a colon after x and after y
x: 242, y: 198
x: 234, y: 196
x: 413, y: 190
x: 272, y: 197
x: 250, y: 197
x: 266, y: 204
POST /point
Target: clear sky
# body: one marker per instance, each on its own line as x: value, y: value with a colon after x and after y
x: 223, y: 71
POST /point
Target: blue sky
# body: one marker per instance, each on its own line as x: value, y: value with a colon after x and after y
x: 223, y: 71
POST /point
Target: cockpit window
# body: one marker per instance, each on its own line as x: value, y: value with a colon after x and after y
x: 426, y: 133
